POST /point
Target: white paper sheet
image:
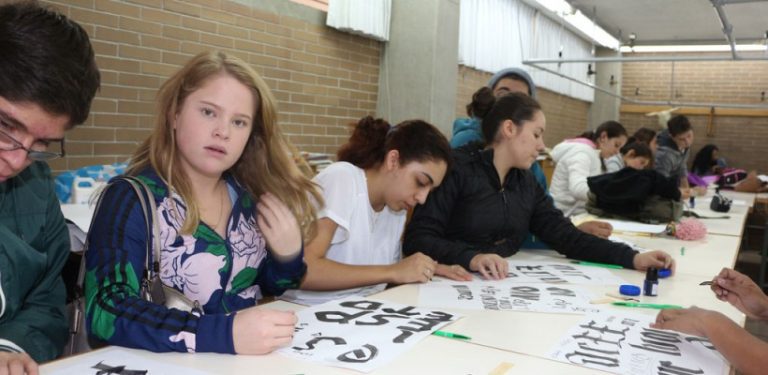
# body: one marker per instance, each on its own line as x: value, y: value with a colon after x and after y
x: 631, y: 226
x: 532, y: 272
x: 517, y: 297
x: 361, y: 333
x: 623, y: 343
x: 121, y: 361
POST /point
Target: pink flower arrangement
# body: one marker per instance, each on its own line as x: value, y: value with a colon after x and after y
x: 690, y: 229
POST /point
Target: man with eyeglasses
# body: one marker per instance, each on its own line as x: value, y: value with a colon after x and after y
x: 48, y: 78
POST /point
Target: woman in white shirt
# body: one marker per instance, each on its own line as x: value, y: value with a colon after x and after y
x: 579, y: 158
x: 382, y: 172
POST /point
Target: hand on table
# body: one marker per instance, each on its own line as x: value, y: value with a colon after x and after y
x: 261, y: 331
x: 656, y: 259
x: 490, y: 266
x: 596, y: 228
x: 416, y: 268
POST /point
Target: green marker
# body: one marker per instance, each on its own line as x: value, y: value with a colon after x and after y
x: 682, y: 250
x: 593, y: 264
x: 451, y: 335
x: 646, y: 305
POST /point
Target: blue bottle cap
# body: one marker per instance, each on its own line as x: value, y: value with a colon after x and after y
x: 665, y: 272
x: 629, y: 290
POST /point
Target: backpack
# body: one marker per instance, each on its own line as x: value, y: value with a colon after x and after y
x: 654, y: 210
x: 730, y: 176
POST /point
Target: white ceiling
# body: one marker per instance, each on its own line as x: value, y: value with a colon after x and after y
x: 677, y: 21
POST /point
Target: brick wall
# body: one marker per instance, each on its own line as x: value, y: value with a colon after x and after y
x: 742, y: 139
x: 566, y: 116
x: 323, y: 79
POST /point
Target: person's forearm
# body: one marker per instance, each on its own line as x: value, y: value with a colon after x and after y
x: 326, y: 274
x: 745, y: 352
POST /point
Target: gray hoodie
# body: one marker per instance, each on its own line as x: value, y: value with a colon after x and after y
x: 670, y: 160
x: 517, y: 72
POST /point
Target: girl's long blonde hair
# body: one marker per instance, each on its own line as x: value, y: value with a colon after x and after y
x: 266, y: 164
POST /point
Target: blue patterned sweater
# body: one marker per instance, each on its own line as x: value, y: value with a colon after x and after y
x: 222, y: 274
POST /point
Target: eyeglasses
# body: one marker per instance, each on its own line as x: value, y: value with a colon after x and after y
x: 39, y: 151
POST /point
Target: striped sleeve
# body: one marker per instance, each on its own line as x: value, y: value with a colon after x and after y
x: 115, y: 312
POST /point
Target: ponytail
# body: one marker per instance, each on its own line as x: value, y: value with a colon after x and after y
x: 612, y: 129
x: 482, y: 102
x: 365, y: 147
x: 415, y: 140
x: 640, y: 149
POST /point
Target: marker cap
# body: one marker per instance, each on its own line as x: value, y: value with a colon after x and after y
x: 665, y: 272
x: 629, y: 290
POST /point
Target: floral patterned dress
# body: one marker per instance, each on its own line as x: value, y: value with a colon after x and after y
x: 222, y: 274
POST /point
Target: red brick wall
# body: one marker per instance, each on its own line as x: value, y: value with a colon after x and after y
x: 566, y: 116
x: 742, y: 140
x: 323, y: 79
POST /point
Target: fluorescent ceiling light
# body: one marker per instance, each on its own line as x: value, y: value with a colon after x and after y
x: 694, y: 48
x: 578, y: 20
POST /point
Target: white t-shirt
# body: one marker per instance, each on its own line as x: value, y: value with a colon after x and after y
x: 363, y: 236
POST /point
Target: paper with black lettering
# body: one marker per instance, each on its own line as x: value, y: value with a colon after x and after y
x: 559, y: 273
x: 624, y: 343
x: 548, y: 298
x: 361, y: 333
x: 117, y: 360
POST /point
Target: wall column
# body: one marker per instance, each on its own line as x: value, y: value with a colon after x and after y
x: 419, y: 64
x: 606, y: 107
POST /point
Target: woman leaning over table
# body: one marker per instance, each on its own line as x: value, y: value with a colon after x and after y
x: 489, y: 200
x: 383, y: 170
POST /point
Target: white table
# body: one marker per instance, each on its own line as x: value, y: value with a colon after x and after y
x: 498, y: 337
x: 705, y: 257
x: 80, y: 214
x: 535, y: 333
x: 434, y: 355
x: 733, y: 225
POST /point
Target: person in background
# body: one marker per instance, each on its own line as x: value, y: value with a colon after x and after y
x: 743, y: 350
x: 647, y: 136
x: 232, y: 208
x: 707, y: 161
x: 642, y: 135
x: 579, y: 158
x: 467, y: 130
x: 489, y: 201
x: 505, y: 81
x: 672, y: 155
x: 626, y: 191
x: 382, y: 172
x: 48, y: 78
x: 636, y: 155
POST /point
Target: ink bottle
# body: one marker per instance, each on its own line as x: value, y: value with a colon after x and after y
x: 651, y: 284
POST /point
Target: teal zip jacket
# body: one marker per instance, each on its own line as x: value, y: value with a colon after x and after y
x: 34, y: 245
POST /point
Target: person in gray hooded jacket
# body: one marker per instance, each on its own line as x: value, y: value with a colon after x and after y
x: 674, y: 146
